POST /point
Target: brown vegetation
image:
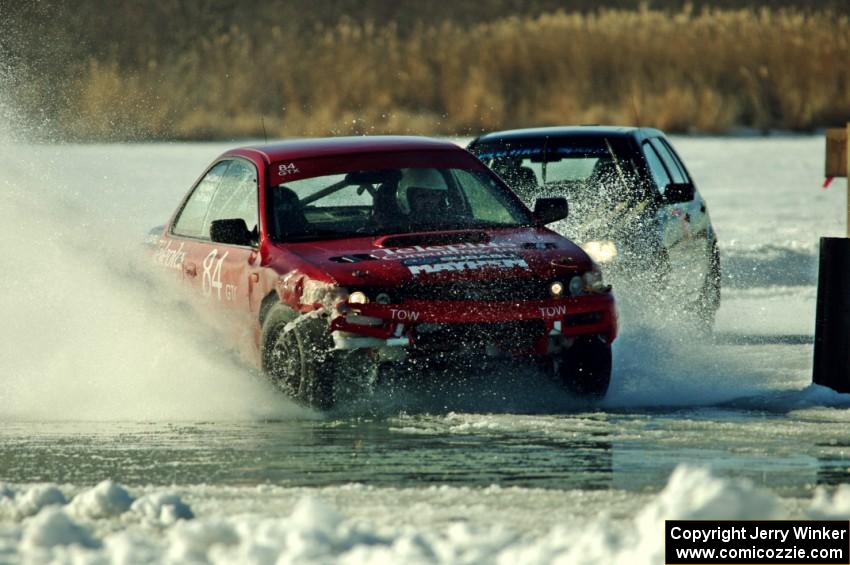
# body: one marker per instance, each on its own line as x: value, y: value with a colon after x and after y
x: 710, y: 70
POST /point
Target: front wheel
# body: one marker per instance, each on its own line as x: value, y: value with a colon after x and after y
x: 585, y: 368
x: 709, y: 301
x: 297, y: 357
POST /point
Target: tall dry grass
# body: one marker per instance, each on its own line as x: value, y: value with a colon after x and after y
x: 709, y: 71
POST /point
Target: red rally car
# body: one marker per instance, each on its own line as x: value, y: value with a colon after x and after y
x: 346, y: 258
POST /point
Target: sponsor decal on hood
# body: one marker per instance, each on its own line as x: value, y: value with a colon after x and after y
x: 463, y: 262
x: 438, y: 250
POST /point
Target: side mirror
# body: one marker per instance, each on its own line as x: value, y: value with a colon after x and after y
x: 234, y: 232
x: 548, y: 210
x: 679, y: 192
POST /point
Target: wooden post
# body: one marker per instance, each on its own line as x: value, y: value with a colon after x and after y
x: 837, y: 156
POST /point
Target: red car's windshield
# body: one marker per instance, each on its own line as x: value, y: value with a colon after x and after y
x: 389, y: 200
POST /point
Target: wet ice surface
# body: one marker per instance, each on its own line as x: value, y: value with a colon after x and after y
x: 790, y: 451
x: 472, y: 470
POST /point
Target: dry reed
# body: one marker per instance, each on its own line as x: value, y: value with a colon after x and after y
x: 708, y: 71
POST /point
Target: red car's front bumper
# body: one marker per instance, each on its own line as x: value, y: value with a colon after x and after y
x: 356, y: 326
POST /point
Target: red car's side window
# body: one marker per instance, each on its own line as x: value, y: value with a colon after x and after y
x: 192, y: 219
x: 236, y: 197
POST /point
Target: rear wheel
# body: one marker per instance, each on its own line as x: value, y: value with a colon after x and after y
x: 585, y: 368
x: 297, y: 357
x: 709, y: 301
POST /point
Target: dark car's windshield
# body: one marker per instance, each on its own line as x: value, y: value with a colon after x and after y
x: 387, y: 201
x: 599, y: 176
x: 580, y: 168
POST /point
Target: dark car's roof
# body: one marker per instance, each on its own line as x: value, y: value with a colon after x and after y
x: 566, y: 131
x: 331, y: 146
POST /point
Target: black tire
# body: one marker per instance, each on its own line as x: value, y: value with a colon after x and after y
x: 585, y: 368
x: 709, y: 301
x: 298, y: 359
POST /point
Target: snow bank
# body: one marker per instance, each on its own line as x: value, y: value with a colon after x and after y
x: 835, y: 507
x: 104, y: 524
x: 192, y: 542
x: 30, y: 501
x: 106, y: 500
x: 52, y: 528
x: 696, y: 494
x: 162, y: 509
x: 313, y: 532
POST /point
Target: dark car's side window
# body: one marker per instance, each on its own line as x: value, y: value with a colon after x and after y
x: 656, y: 167
x: 236, y: 197
x: 192, y: 219
x: 672, y: 164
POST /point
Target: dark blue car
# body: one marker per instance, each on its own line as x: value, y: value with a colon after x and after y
x: 634, y: 207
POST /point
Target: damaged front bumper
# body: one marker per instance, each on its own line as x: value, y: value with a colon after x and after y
x: 500, y: 328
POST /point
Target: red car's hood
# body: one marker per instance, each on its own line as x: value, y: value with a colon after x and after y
x: 392, y: 260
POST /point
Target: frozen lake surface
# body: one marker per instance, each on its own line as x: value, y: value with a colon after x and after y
x: 103, y: 378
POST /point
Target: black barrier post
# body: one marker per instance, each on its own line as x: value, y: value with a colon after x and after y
x: 832, y: 324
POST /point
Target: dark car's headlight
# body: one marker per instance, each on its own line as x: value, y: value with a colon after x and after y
x: 602, y: 251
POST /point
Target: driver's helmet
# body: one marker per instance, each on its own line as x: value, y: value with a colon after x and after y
x: 420, y: 178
